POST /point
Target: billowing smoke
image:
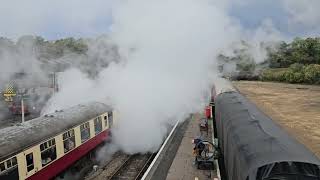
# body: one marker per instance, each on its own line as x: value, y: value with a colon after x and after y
x: 167, y: 66
x: 18, y: 57
x: 251, y: 48
x: 21, y: 69
x: 165, y: 62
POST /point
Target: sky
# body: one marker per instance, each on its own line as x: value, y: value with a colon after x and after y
x: 54, y: 19
x: 291, y: 17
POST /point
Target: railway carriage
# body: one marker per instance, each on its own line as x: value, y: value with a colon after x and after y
x: 254, y: 147
x: 46, y: 146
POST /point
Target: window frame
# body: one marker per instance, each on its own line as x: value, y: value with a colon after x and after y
x: 13, y: 163
x: 46, y: 146
x: 106, y: 119
x: 85, y: 127
x: 32, y: 164
x: 97, y: 119
x: 3, y: 165
x: 110, y: 119
x: 66, y: 136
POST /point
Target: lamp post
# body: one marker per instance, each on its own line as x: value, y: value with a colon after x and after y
x: 22, y: 95
x: 22, y: 109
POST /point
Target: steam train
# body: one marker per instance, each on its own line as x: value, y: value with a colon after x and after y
x: 254, y: 147
x: 44, y: 147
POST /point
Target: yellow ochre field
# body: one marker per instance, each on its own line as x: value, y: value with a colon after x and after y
x: 295, y: 107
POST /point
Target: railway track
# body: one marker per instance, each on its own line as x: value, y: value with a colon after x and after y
x: 133, y: 167
x: 108, y: 167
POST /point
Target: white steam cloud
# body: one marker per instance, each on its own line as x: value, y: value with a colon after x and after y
x: 22, y: 58
x: 168, y: 53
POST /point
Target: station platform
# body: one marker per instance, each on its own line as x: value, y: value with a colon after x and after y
x: 175, y: 159
x: 183, y: 166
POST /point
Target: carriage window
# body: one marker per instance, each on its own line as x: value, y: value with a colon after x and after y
x: 2, y: 167
x: 110, y: 118
x: 10, y: 163
x: 48, y: 151
x: 97, y: 125
x: 68, y: 140
x: 9, y: 169
x: 29, y: 160
x: 85, y: 132
x: 14, y: 161
x: 106, y: 121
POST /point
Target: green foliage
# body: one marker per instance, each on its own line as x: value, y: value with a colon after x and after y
x: 246, y: 67
x: 274, y: 74
x: 296, y: 73
x: 296, y: 67
x: 70, y: 44
x: 312, y: 74
x: 302, y: 51
x: 296, y: 62
x: 46, y: 49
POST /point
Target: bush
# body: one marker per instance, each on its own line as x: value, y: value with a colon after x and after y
x: 274, y: 75
x: 296, y: 73
x: 312, y: 74
x: 296, y: 67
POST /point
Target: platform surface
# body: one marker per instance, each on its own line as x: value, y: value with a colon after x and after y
x: 182, y: 167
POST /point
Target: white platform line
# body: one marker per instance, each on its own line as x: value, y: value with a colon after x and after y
x: 216, y: 161
x: 159, y: 152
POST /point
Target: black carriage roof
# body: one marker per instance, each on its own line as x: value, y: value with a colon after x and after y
x: 252, y: 139
x: 16, y: 138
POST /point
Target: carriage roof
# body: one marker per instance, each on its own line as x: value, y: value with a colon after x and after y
x: 21, y: 136
x: 250, y: 139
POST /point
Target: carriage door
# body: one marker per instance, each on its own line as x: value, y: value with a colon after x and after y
x: 110, y: 119
x: 30, y: 162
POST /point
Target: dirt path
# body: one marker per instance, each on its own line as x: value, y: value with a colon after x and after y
x: 294, y: 107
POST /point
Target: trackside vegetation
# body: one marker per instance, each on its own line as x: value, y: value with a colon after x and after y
x: 294, y: 62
